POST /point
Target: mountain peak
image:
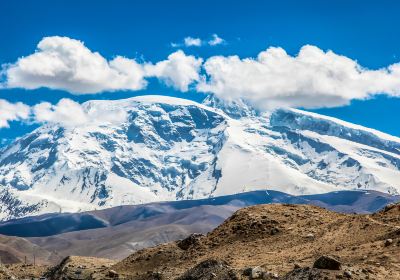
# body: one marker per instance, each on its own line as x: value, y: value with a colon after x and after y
x: 168, y: 148
x: 235, y: 108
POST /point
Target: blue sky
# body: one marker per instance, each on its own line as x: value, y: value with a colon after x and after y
x: 364, y: 31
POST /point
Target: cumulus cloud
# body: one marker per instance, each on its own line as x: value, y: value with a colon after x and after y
x: 192, y: 42
x: 67, y: 64
x: 12, y: 112
x: 66, y: 112
x: 178, y: 71
x: 312, y: 79
x: 216, y: 40
x: 69, y: 113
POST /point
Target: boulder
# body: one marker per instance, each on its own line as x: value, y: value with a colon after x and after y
x: 247, y: 271
x: 305, y: 273
x: 112, y: 274
x: 257, y: 273
x: 310, y: 236
x: 388, y: 242
x: 347, y: 274
x: 190, y: 241
x: 327, y: 262
x: 210, y: 269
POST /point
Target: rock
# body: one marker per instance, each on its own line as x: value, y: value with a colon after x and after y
x: 389, y: 207
x: 247, y: 271
x: 327, y: 262
x: 274, y: 231
x: 210, y: 269
x: 257, y: 273
x: 347, y: 274
x: 274, y: 276
x: 388, y: 242
x: 112, y: 274
x: 190, y: 241
x: 304, y: 273
x: 310, y: 236
x: 154, y: 276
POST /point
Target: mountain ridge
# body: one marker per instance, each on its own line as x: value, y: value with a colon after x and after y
x: 173, y: 149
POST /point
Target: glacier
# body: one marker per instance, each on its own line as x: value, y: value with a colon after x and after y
x: 174, y: 149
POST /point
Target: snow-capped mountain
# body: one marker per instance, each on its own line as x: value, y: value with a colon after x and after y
x: 174, y: 149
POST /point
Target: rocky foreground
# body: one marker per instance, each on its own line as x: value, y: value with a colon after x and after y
x: 276, y: 241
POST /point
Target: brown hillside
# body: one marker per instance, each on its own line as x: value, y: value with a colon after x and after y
x: 278, y: 238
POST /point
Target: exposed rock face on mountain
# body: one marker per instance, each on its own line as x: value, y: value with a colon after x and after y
x: 174, y: 149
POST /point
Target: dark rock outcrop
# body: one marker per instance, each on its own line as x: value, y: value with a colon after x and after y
x: 210, y: 269
x: 327, y: 262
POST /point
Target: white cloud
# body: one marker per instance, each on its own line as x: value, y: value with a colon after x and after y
x: 216, y: 40
x: 69, y: 113
x: 12, y: 112
x: 311, y: 79
x: 66, y: 112
x: 64, y: 63
x: 198, y: 42
x: 179, y: 70
x: 192, y: 42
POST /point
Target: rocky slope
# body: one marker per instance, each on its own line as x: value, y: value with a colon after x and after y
x: 174, y: 149
x: 274, y: 241
x: 277, y: 242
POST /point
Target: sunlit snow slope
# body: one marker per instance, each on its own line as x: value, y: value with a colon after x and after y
x: 174, y: 149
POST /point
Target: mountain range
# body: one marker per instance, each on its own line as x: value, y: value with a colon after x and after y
x: 169, y: 149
